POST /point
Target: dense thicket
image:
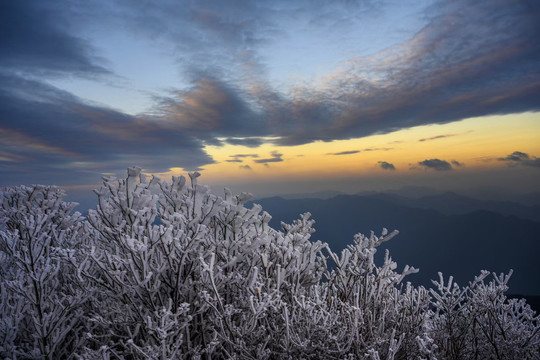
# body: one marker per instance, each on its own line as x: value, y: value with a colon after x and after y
x: 169, y: 271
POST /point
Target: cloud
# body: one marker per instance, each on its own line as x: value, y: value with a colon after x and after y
x: 34, y: 39
x: 386, y: 166
x: 460, y: 64
x: 457, y: 163
x: 377, y: 149
x: 212, y: 108
x: 55, y: 137
x: 238, y: 158
x: 246, y: 167
x: 437, y: 137
x: 245, y: 156
x: 521, y: 158
x: 276, y: 157
x: 516, y: 156
x: 249, y: 142
x: 350, y: 152
x: 11, y: 157
x: 436, y: 164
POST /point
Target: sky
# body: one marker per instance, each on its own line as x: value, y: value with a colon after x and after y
x: 272, y: 96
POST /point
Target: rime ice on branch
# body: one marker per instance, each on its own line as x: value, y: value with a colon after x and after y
x: 165, y: 270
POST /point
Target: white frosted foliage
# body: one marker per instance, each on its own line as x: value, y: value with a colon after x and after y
x: 167, y: 270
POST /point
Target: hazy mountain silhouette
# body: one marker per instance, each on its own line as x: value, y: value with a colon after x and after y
x: 529, y: 199
x: 328, y: 194
x: 455, y: 244
x: 483, y: 193
x: 413, y: 191
x: 450, y: 203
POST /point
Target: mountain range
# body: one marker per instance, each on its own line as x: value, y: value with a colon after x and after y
x: 450, y: 233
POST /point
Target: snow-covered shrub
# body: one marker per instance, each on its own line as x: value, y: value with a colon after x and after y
x: 186, y: 273
x: 171, y: 271
x: 478, y: 321
x: 41, y: 313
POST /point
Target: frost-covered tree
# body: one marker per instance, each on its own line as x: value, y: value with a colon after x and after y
x: 479, y: 322
x: 41, y: 312
x: 187, y: 273
x: 171, y: 271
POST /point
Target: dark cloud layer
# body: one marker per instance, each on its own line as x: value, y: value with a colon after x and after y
x: 249, y: 142
x: 213, y: 108
x: 470, y: 59
x: 34, y: 39
x: 62, y: 139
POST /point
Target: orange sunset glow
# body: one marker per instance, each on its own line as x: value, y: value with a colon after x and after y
x: 476, y: 144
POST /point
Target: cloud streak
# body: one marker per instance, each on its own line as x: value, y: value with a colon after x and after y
x: 350, y: 152
x: 436, y: 137
x: 275, y: 157
x: 245, y: 156
x: 378, y: 149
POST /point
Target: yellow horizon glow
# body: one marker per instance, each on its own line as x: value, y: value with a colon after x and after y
x: 475, y: 142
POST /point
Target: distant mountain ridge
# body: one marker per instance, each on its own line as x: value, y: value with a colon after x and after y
x: 458, y: 244
x: 483, y: 193
x: 450, y: 203
x: 328, y: 194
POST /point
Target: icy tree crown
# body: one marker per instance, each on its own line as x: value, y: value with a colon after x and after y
x: 166, y: 270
